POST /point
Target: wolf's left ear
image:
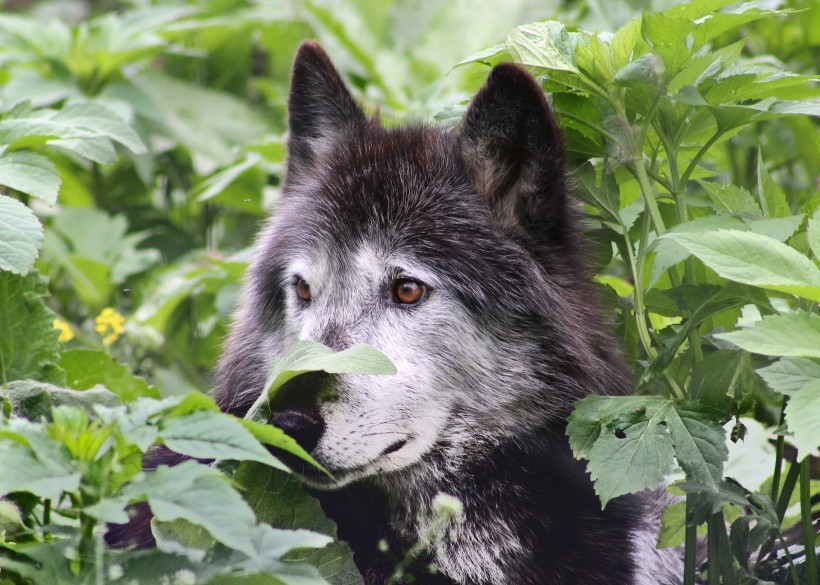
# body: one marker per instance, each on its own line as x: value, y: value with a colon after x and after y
x: 321, y: 110
x: 512, y: 148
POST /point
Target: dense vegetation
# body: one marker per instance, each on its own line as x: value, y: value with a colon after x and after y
x: 140, y: 147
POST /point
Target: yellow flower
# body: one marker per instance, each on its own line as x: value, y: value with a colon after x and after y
x: 110, y: 325
x: 66, y: 334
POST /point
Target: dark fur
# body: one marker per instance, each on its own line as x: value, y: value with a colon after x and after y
x: 488, y: 206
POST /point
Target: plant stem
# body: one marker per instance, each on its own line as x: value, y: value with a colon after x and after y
x: 806, y: 519
x: 786, y: 490
x: 778, y: 454
x: 713, y: 561
x: 691, y: 543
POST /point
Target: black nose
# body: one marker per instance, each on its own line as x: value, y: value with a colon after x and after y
x: 304, y: 428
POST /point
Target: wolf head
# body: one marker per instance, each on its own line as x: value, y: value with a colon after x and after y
x: 457, y: 254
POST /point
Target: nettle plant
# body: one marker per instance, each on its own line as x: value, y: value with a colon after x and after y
x: 651, y: 106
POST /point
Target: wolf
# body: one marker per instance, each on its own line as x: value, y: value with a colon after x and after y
x: 461, y: 256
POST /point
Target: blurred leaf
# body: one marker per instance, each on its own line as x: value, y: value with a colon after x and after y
x: 34, y: 400
x: 30, y: 173
x: 87, y: 368
x: 29, y: 346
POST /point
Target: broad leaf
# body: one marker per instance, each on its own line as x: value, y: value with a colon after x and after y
x: 790, y: 335
x: 30, y: 173
x: 802, y: 418
x: 21, y: 236
x: 753, y: 259
x: 212, y: 435
x: 200, y: 495
x: 813, y: 233
x: 789, y: 375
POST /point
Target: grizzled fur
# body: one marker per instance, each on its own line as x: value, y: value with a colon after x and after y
x: 490, y: 360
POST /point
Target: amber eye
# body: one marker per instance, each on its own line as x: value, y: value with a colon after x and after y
x: 408, y: 291
x: 303, y: 289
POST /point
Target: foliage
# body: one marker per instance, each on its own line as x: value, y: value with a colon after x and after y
x: 654, y: 107
x: 140, y: 148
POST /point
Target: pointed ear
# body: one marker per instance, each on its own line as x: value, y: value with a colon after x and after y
x: 514, y: 154
x: 321, y: 110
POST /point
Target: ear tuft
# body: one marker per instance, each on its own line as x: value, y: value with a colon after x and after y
x: 321, y: 109
x: 512, y: 148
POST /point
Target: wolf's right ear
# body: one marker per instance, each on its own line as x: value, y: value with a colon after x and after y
x: 320, y: 110
x: 513, y: 152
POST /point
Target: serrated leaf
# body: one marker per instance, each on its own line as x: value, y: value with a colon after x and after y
x: 87, y: 368
x: 21, y: 236
x: 700, y: 441
x: 788, y: 375
x: 730, y: 198
x: 29, y: 345
x: 779, y: 228
x: 753, y: 259
x: 276, y: 437
x: 788, y: 335
x: 669, y: 252
x: 634, y: 454
x: 213, y: 435
x: 30, y: 173
x: 802, y: 418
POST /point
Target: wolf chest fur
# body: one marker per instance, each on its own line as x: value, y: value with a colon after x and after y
x: 459, y: 255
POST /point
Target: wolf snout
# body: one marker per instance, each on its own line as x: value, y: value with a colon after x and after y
x: 295, y: 408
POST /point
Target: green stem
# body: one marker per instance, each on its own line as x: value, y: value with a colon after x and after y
x: 806, y: 519
x: 713, y: 561
x: 649, y: 196
x: 778, y: 454
x: 694, y: 162
x: 691, y: 543
x: 786, y: 491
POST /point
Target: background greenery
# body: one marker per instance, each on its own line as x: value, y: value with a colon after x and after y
x: 141, y: 145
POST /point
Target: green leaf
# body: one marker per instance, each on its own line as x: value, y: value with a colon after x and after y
x: 635, y: 453
x: 543, y: 44
x: 200, y: 495
x: 309, y: 356
x: 279, y: 500
x: 700, y: 441
x: 788, y: 375
x: 772, y: 198
x: 802, y: 418
x: 33, y: 400
x: 30, y: 173
x: 722, y: 376
x: 631, y: 442
x: 789, y: 335
x: 276, y: 437
x: 213, y: 435
x: 21, y: 236
x: 753, y: 259
x: 182, y: 538
x: 29, y: 346
x: 730, y: 198
x: 669, y: 251
x: 87, y: 368
x: 813, y: 233
x: 45, y: 472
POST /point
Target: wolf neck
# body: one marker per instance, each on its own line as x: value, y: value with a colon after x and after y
x: 528, y: 517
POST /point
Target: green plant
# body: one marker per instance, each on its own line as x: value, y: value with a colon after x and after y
x: 652, y: 105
